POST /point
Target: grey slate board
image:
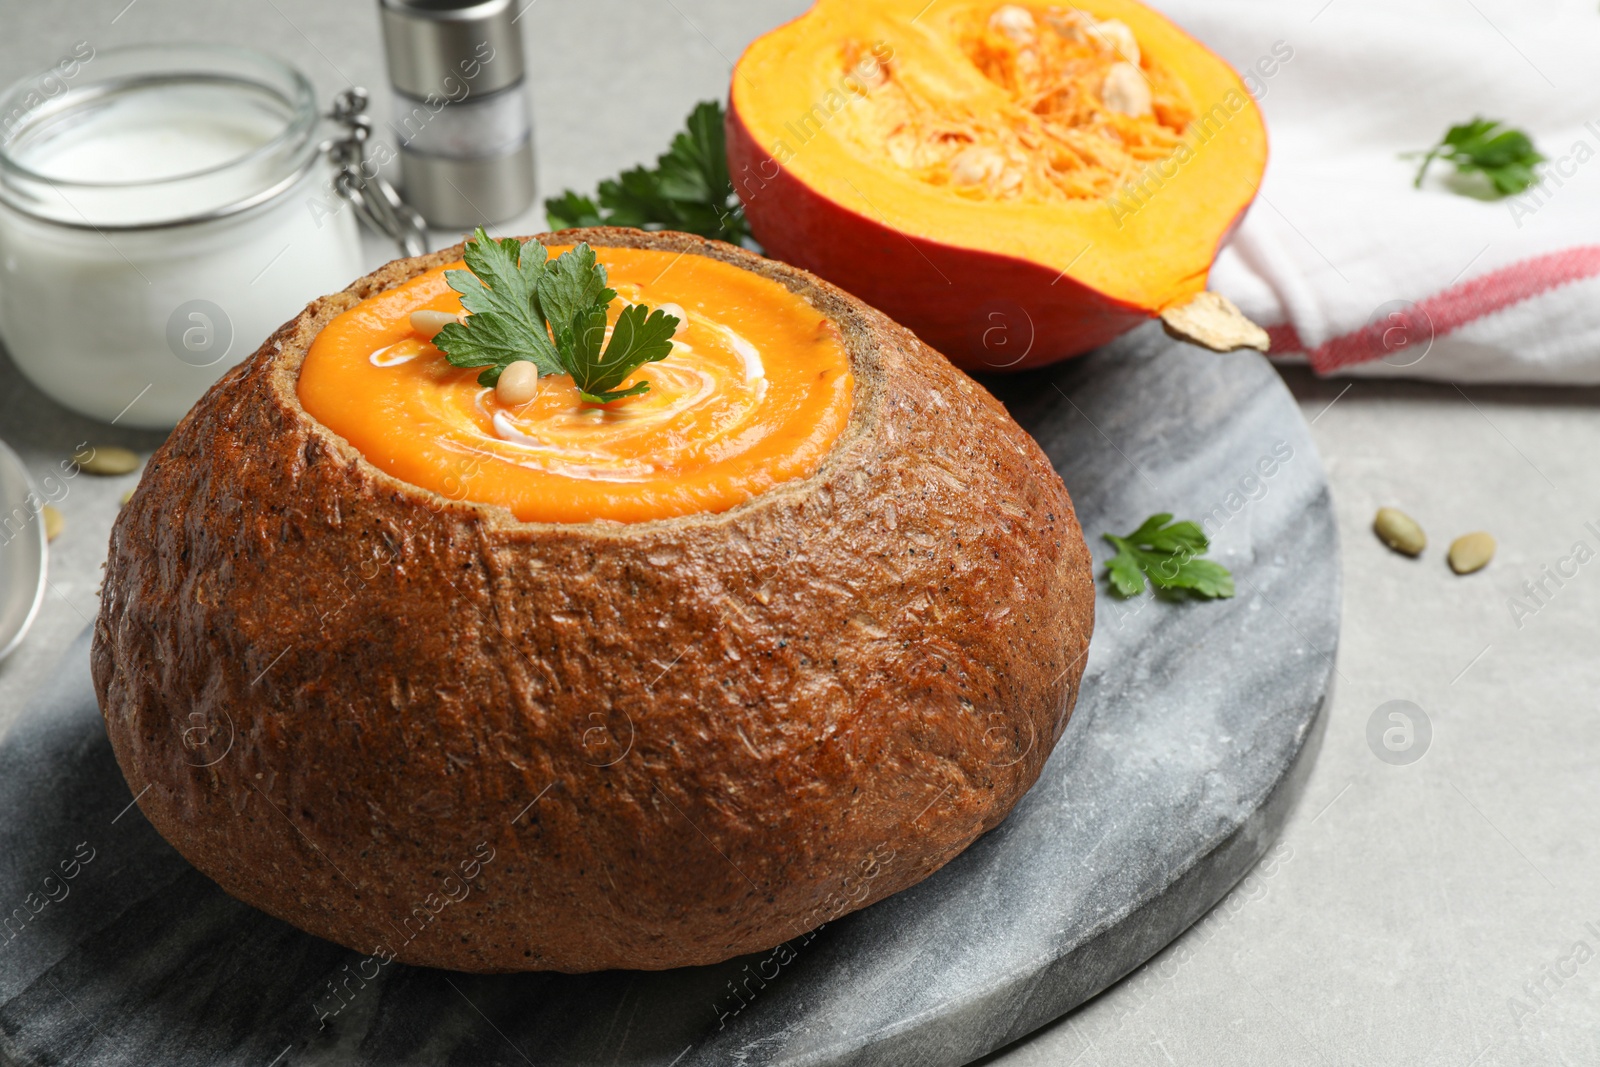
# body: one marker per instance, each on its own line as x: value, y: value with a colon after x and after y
x: 1194, y: 731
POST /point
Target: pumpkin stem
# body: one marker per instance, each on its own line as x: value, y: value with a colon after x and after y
x: 1212, y: 321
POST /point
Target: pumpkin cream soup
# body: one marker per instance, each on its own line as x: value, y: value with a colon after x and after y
x: 756, y: 389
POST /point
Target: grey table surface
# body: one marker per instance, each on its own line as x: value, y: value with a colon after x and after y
x: 1441, y: 912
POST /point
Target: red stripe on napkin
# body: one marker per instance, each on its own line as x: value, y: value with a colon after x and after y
x: 1412, y: 324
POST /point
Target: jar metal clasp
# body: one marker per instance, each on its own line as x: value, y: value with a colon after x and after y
x: 378, y: 204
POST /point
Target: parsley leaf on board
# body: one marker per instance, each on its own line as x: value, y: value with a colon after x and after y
x: 551, y: 313
x: 1167, y: 552
x: 1502, y: 155
x: 689, y: 189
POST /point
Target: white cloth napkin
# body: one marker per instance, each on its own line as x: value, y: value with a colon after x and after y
x: 1353, y: 269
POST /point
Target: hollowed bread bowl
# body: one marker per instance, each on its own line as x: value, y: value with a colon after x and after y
x: 426, y: 730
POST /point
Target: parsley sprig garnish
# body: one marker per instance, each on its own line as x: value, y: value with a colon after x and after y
x: 551, y: 313
x: 688, y: 190
x: 1504, y: 156
x: 1168, y: 552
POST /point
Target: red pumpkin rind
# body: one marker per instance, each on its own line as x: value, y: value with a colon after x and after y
x: 981, y: 310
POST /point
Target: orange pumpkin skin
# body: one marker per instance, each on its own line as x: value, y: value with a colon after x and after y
x: 987, y: 304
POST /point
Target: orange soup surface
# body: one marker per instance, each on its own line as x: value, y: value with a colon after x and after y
x: 755, y: 391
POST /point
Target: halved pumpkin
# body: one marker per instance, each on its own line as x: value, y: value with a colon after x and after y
x: 1017, y: 183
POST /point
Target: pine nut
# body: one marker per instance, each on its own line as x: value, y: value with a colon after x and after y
x: 518, y: 384
x: 54, y: 523
x: 677, y: 312
x: 429, y: 323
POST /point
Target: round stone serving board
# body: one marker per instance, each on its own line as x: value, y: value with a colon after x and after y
x: 1193, y: 733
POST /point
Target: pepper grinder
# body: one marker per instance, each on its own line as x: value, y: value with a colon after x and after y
x: 461, y: 109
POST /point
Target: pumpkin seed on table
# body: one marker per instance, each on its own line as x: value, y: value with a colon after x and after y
x: 1471, y: 552
x: 106, y: 460
x: 54, y: 523
x: 1399, y: 531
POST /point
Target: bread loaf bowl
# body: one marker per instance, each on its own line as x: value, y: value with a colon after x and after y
x: 430, y: 730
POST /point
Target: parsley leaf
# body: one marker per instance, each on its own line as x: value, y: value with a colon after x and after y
x: 511, y: 271
x: 574, y: 282
x: 570, y: 210
x: 552, y: 314
x: 1504, y: 156
x: 506, y: 322
x: 689, y: 189
x: 1167, y: 552
x: 641, y: 336
x: 494, y: 341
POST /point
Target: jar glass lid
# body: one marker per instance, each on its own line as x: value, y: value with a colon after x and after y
x: 155, y: 135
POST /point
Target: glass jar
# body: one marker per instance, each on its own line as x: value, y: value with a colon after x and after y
x: 163, y: 209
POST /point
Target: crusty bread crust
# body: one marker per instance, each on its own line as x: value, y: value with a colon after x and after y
x: 336, y: 693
